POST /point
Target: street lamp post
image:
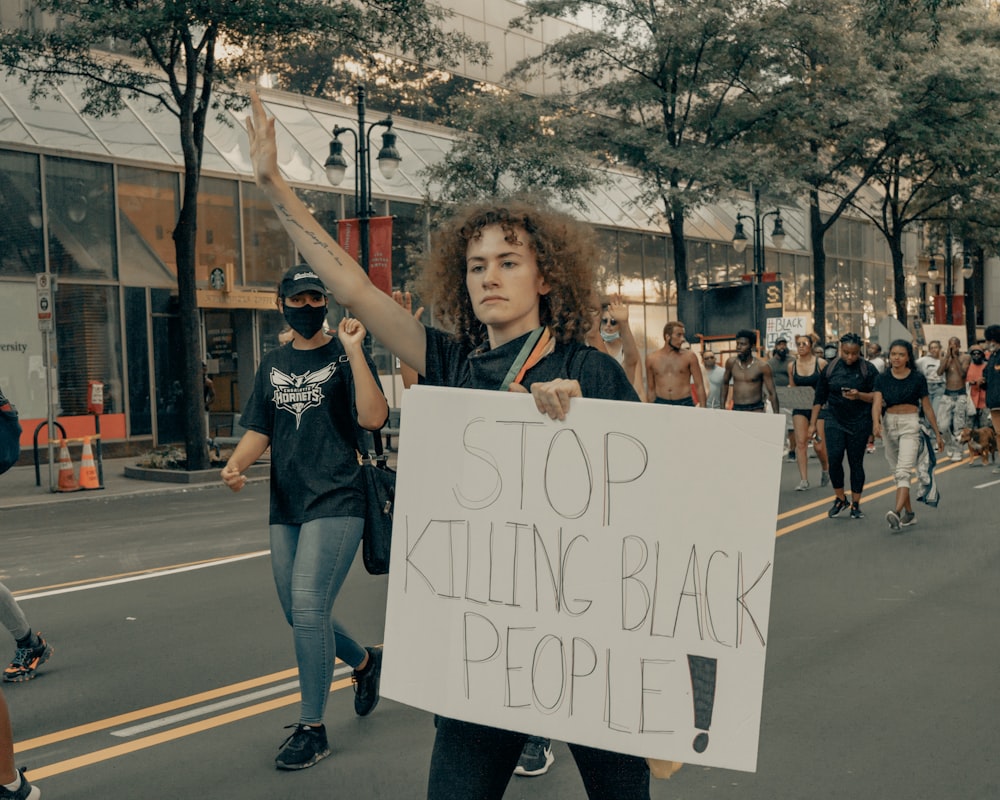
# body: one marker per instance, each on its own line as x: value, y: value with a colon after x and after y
x: 336, y: 168
x: 740, y: 236
x: 740, y: 244
x: 388, y: 162
x: 970, y: 311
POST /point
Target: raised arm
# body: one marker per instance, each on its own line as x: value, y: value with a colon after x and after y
x: 388, y: 322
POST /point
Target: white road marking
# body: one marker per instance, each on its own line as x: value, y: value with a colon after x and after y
x: 145, y: 576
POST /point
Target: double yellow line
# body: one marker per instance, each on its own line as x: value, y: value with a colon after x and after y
x: 104, y: 754
x: 891, y: 489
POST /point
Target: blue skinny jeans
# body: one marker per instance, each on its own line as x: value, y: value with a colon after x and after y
x: 310, y: 562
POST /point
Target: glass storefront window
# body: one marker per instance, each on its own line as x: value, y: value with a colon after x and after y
x: 148, y: 205
x: 88, y: 337
x: 218, y: 227
x: 267, y: 249
x: 20, y: 215
x: 81, y: 219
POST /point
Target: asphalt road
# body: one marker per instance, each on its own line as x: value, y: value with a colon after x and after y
x: 173, y: 673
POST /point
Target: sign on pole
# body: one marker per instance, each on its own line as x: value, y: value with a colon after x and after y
x: 579, y: 580
x: 43, y: 292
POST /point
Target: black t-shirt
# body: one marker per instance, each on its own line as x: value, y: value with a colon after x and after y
x: 901, y: 391
x: 854, y: 415
x: 304, y: 401
x: 451, y: 363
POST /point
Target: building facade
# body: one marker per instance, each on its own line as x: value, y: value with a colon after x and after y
x: 91, y: 204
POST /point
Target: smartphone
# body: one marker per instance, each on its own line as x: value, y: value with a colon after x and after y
x: 845, y: 389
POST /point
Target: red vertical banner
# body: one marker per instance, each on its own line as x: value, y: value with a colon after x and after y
x: 380, y: 253
x: 379, y: 247
x: 348, y: 236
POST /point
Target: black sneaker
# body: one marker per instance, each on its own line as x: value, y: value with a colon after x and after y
x: 303, y: 748
x: 838, y: 506
x: 856, y: 512
x: 26, y: 661
x: 366, y: 683
x: 536, y: 758
x: 23, y: 792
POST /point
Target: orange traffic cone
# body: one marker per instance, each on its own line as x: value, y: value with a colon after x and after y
x: 88, y: 472
x: 67, y: 478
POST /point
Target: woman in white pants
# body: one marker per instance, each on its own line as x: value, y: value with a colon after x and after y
x: 901, y: 392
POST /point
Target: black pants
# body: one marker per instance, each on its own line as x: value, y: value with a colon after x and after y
x: 853, y: 441
x: 475, y: 762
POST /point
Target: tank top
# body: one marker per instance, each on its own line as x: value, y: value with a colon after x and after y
x: 806, y: 380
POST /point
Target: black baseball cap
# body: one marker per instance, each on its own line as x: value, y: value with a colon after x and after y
x: 781, y: 339
x: 301, y: 278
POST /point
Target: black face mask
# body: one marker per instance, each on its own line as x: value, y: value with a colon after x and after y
x: 305, y: 320
x: 978, y: 358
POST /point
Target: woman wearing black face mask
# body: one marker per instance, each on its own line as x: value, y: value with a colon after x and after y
x: 307, y: 398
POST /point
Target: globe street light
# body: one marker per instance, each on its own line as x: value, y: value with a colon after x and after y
x: 740, y: 236
x: 388, y: 162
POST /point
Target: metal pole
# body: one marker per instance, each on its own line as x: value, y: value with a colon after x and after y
x: 758, y: 244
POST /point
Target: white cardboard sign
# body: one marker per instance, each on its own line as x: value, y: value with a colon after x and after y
x: 576, y: 580
x: 790, y: 327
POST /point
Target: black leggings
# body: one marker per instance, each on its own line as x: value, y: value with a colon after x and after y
x: 840, y: 440
x: 475, y: 762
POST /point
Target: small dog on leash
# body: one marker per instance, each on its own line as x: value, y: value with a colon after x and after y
x: 982, y: 443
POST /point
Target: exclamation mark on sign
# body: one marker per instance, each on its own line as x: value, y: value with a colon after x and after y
x: 703, y: 686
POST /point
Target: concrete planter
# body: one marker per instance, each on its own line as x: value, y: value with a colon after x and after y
x: 198, y: 476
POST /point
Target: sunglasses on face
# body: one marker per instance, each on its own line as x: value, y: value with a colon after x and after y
x: 611, y: 322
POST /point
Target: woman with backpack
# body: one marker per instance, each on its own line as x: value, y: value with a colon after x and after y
x: 846, y: 386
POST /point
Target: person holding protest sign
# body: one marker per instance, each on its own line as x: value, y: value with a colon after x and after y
x: 846, y: 386
x: 308, y: 400
x: 513, y: 282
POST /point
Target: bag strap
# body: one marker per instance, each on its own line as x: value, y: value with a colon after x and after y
x: 362, y: 435
x: 534, y: 349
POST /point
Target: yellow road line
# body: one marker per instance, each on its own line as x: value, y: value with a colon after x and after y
x: 96, y: 757
x: 810, y: 520
x: 151, y: 711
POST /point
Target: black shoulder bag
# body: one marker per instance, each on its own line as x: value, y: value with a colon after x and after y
x: 10, y: 435
x: 379, y: 486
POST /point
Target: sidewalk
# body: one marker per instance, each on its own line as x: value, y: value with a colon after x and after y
x: 18, y: 489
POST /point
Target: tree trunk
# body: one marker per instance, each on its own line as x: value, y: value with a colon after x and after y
x: 185, y: 237
x: 817, y: 232
x: 676, y: 222
x: 898, y: 275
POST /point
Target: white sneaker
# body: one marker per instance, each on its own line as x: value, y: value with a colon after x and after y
x: 893, y: 519
x: 803, y: 485
x: 957, y: 457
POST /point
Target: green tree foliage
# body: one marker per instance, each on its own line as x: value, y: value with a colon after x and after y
x: 671, y: 90
x: 942, y: 141
x: 824, y: 115
x: 190, y: 59
x: 510, y: 146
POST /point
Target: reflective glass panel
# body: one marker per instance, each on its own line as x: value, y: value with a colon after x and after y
x: 81, y: 220
x: 267, y: 248
x: 147, y: 212
x: 21, y: 241
x: 218, y: 226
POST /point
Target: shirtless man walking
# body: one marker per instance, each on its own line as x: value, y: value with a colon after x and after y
x: 671, y: 369
x: 954, y: 404
x: 750, y: 376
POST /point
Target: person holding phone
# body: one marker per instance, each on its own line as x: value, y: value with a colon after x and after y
x: 846, y: 386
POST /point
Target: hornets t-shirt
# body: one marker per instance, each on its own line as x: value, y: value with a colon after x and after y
x: 304, y: 401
